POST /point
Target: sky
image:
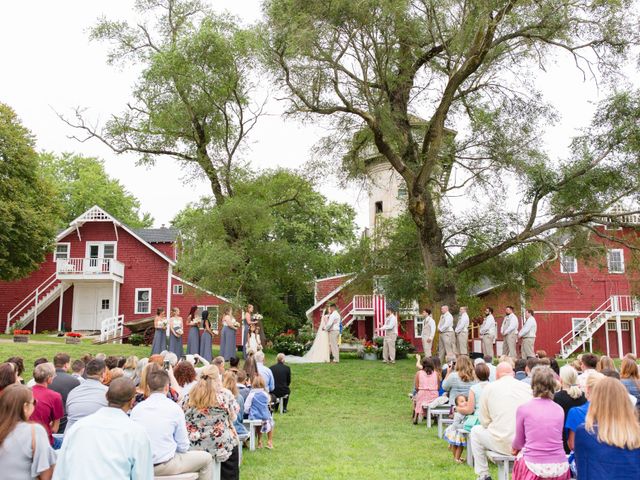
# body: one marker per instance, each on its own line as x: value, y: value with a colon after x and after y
x: 49, y: 65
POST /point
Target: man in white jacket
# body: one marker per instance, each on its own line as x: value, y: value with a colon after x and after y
x: 462, y: 332
x: 390, y: 328
x: 428, y: 332
x: 488, y: 332
x: 509, y: 332
x: 447, y: 337
x: 528, y: 335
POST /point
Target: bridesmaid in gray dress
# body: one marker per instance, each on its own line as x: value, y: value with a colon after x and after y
x: 206, y: 340
x: 228, y: 335
x: 160, y: 335
x: 176, y: 327
x: 193, y: 340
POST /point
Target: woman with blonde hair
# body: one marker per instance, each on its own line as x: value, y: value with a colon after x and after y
x: 176, y: 327
x: 630, y: 378
x: 569, y: 396
x: 607, y: 446
x: 257, y: 407
x: 459, y: 380
x: 129, y: 366
x: 605, y: 363
x: 210, y: 411
x: 230, y: 382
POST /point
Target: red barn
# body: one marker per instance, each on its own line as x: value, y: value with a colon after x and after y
x: 579, y: 305
x: 101, y: 270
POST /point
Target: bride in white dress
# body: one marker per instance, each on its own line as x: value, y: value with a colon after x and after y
x: 319, y: 351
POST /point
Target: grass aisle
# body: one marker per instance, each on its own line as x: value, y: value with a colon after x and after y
x: 352, y: 421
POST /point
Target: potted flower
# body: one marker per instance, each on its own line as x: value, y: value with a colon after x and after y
x: 72, y: 337
x: 21, y: 336
x: 370, y: 350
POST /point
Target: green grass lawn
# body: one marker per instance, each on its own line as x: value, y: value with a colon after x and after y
x: 347, y: 421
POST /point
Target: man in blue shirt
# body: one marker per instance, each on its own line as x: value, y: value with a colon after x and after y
x: 107, y: 443
x: 265, y: 372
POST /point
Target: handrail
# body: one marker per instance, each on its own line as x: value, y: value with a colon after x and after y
x: 111, y: 325
x: 605, y: 307
x: 93, y: 266
x: 44, y: 287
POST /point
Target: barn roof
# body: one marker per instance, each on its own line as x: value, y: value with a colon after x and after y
x: 157, y: 235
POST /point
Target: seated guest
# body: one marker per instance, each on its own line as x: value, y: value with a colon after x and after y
x: 460, y: 378
x: 88, y: 397
x: 607, y: 372
x: 605, y: 363
x: 607, y: 445
x: 185, y: 376
x: 568, y: 397
x: 77, y: 370
x: 555, y: 366
x: 257, y: 407
x: 630, y: 378
x: 25, y: 452
x: 143, y: 391
x: 282, y: 380
x: 532, y: 363
x: 129, y: 366
x: 538, y: 439
x: 497, y: 428
x: 36, y: 362
x: 249, y: 366
x: 143, y: 362
x: 111, y: 362
x: 472, y: 405
x: 577, y: 415
x: 19, y: 363
x: 63, y: 383
x: 541, y: 354
x: 488, y: 359
x: 219, y: 363
x: 8, y: 375
x: 264, y: 372
x: 233, y: 364
x: 588, y: 364
x: 426, y: 385
x: 107, y: 441
x: 230, y: 382
x: 521, y: 365
x: 48, y: 404
x: 441, y: 372
x: 241, y: 382
x: 210, y: 408
x: 165, y: 425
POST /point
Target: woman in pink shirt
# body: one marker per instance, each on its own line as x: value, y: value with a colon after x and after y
x: 426, y: 383
x: 538, y: 439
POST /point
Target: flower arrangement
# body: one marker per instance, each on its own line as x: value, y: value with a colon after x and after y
x: 369, y: 347
x: 257, y: 316
x: 179, y: 331
x: 73, y: 334
x: 22, y: 332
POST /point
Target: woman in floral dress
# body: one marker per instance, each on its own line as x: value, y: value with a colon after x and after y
x: 210, y: 412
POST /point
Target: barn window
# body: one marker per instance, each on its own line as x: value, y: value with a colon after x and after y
x: 62, y: 251
x: 402, y: 192
x: 568, y: 263
x: 143, y: 300
x: 378, y: 207
x: 177, y: 289
x: 418, y: 322
x: 615, y: 260
x: 109, y: 250
x: 611, y: 326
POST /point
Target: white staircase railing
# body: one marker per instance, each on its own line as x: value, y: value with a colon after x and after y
x: 614, y: 305
x: 346, y: 314
x: 30, y: 302
x: 112, y: 328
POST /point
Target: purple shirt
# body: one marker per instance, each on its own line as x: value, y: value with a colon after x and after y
x: 539, y: 424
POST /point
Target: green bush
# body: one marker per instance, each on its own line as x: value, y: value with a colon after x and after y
x: 288, y: 345
x: 136, y: 339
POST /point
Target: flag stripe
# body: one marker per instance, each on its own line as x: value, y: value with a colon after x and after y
x: 379, y: 307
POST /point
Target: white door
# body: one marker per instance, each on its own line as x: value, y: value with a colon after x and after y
x: 92, y: 304
x: 98, y: 255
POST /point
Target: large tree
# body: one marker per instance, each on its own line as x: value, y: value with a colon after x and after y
x: 28, y: 206
x: 192, y: 100
x: 82, y: 182
x: 467, y: 68
x: 289, y: 236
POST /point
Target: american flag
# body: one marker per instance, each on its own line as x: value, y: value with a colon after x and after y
x: 379, y: 311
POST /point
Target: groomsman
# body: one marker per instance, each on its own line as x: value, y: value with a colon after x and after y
x: 462, y: 332
x: 446, y: 340
x: 390, y: 328
x: 509, y: 332
x: 428, y: 332
x: 333, y: 327
x: 528, y: 335
x: 488, y: 332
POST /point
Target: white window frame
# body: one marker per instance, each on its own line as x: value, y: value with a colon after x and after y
x: 101, y: 249
x: 135, y: 305
x: 575, y: 322
x: 55, y: 251
x: 178, y: 289
x: 562, y: 265
x: 612, y: 327
x: 214, y: 322
x: 418, y: 320
x: 609, y: 252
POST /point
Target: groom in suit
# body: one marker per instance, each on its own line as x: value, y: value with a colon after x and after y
x: 333, y: 327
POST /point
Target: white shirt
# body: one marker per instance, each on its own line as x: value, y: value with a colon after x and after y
x: 106, y: 444
x: 509, y: 324
x: 488, y: 326
x: 529, y: 328
x: 391, y: 324
x: 333, y: 323
x: 164, y: 422
x: 463, y: 323
x: 428, y: 328
x: 446, y: 323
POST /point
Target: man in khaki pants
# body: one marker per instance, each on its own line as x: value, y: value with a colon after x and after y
x: 509, y: 332
x: 390, y: 328
x: 528, y: 335
x: 488, y: 332
x: 333, y: 327
x: 462, y: 332
x: 428, y: 332
x: 447, y: 337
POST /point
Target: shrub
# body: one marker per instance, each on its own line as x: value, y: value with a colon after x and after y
x: 136, y: 339
x: 288, y: 345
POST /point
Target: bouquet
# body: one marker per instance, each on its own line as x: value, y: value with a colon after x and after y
x: 164, y: 323
x: 178, y: 331
x: 257, y: 317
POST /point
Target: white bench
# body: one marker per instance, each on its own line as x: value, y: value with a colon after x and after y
x: 251, y: 426
x: 465, y: 433
x: 504, y: 463
x: 438, y: 411
x: 442, y: 421
x: 242, y: 439
x: 191, y: 476
x: 280, y: 403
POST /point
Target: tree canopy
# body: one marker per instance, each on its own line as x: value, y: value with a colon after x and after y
x: 82, y: 182
x: 288, y: 232
x: 28, y: 206
x: 464, y: 70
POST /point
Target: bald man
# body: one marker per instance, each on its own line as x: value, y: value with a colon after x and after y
x: 498, y: 405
